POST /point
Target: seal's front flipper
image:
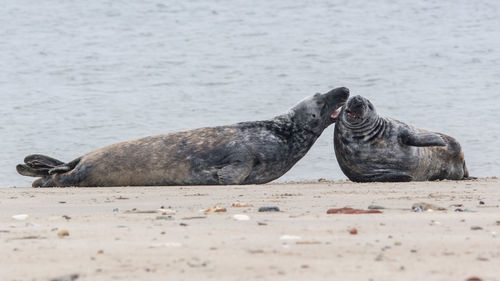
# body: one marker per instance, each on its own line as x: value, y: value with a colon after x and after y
x: 387, y: 177
x: 421, y: 139
x: 234, y: 173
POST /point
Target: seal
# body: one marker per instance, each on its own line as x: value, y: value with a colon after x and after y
x: 244, y: 153
x: 372, y: 148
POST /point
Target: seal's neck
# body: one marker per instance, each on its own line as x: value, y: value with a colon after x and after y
x: 367, y: 130
x: 299, y: 138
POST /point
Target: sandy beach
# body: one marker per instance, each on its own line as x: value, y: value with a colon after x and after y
x: 119, y: 233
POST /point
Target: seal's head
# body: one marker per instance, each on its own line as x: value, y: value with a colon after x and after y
x: 358, y: 110
x: 319, y: 111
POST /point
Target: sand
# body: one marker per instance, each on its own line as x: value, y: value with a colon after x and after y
x: 110, y: 238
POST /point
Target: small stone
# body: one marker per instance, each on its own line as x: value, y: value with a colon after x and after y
x: 216, y: 209
x: 269, y: 209
x: 413, y: 250
x: 62, y: 202
x: 261, y: 223
x: 375, y: 207
x: 422, y: 206
x: 100, y: 252
x: 481, y: 202
x: 346, y: 210
x: 353, y: 231
x: 69, y: 277
x: 289, y: 237
x: 379, y: 257
x: 164, y: 218
x: 183, y: 224
x: 115, y: 210
x: 239, y: 205
x: 240, y: 217
x: 475, y: 228
x: 20, y: 217
x: 474, y: 279
x: 63, y: 233
x: 66, y: 217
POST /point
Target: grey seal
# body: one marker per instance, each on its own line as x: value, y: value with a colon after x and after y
x: 244, y: 153
x: 372, y: 148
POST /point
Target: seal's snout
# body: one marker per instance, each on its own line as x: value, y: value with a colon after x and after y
x: 356, y: 107
x: 336, y: 98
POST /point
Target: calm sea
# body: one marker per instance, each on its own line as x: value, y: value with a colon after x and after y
x: 79, y: 75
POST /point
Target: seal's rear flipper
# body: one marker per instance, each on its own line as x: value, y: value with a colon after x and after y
x: 421, y: 139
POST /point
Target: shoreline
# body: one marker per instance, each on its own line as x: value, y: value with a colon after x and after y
x: 115, y: 233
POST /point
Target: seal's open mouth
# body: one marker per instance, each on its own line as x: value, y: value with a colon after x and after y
x: 352, y: 114
x: 335, y: 114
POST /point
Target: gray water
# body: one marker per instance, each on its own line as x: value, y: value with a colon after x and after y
x: 79, y: 75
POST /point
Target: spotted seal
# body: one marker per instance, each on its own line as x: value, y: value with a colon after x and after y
x: 244, y: 153
x: 372, y: 148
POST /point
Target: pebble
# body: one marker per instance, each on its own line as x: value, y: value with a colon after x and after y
x: 476, y: 228
x: 216, y: 209
x: 269, y: 209
x: 290, y: 237
x: 353, y: 231
x: 422, y: 206
x: 346, y: 210
x: 474, y: 279
x: 62, y: 233
x: 481, y: 202
x: 375, y: 207
x: 239, y: 204
x: 115, y: 210
x: 20, y: 217
x: 69, y: 277
x: 240, y: 217
x: 166, y: 211
x: 164, y: 218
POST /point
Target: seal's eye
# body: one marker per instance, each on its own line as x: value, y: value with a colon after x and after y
x: 314, y: 115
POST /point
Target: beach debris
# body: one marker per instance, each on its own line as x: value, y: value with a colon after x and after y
x: 136, y: 211
x: 269, y: 209
x: 353, y: 231
x: 62, y: 202
x: 497, y: 222
x: 474, y: 279
x: 464, y: 210
x: 347, y: 210
x: 164, y: 218
x: 30, y: 237
x: 215, y: 209
x: 194, y: 218
x: 115, y: 210
x: 69, y: 277
x: 307, y: 242
x: 481, y: 202
x: 240, y: 217
x: 122, y: 198
x: 380, y: 257
x: 66, y: 217
x: 183, y: 224
x: 239, y: 205
x: 261, y: 223
x: 100, y: 252
x: 63, y: 233
x: 287, y: 237
x: 166, y: 211
x: 476, y: 228
x: 422, y: 206
x: 20, y: 217
x: 375, y: 207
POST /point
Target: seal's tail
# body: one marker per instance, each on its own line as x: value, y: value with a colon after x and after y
x: 37, y: 165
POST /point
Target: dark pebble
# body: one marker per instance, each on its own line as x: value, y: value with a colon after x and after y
x: 269, y: 209
x: 476, y: 228
x: 481, y: 202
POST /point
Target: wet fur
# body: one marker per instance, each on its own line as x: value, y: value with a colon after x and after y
x: 382, y: 151
x: 244, y: 153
